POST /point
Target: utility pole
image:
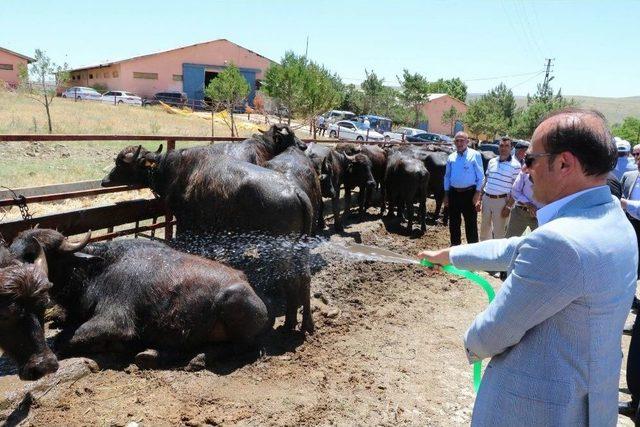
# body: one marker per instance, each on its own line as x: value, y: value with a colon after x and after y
x: 306, y: 49
x: 547, y: 75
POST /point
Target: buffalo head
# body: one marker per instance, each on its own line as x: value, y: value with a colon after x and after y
x: 282, y: 137
x: 359, y: 167
x: 23, y: 300
x: 132, y: 166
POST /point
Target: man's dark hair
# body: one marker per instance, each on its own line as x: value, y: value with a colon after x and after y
x: 593, y: 146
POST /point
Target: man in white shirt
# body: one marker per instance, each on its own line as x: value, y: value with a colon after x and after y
x: 501, y: 173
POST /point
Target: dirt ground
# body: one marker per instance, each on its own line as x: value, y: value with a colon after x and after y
x: 387, y: 351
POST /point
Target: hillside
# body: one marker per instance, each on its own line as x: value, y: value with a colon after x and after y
x: 614, y: 109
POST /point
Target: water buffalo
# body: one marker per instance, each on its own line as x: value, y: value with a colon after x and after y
x: 406, y: 182
x: 23, y: 299
x: 260, y: 148
x: 208, y: 192
x: 299, y: 169
x: 216, y: 194
x: 134, y: 294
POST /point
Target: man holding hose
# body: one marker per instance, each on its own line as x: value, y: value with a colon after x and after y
x: 553, y: 331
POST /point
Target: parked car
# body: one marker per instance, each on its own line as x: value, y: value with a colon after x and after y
x: 430, y: 137
x: 354, y: 131
x: 487, y: 146
x: 334, y: 116
x: 379, y: 123
x: 396, y: 135
x: 175, y: 99
x: 82, y: 93
x: 121, y: 97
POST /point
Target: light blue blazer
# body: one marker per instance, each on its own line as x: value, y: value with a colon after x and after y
x: 553, y: 332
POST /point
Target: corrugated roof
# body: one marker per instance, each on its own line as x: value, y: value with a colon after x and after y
x: 109, y: 63
x: 28, y: 58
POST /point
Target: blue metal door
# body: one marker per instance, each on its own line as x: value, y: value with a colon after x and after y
x: 193, y: 81
x: 458, y: 127
x: 250, y: 76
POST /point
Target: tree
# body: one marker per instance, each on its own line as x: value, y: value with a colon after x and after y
x: 41, y: 81
x: 228, y: 89
x: 450, y: 117
x: 539, y: 105
x: 352, y: 99
x: 492, y: 114
x: 285, y: 82
x: 373, y: 88
x: 321, y: 92
x: 454, y: 87
x: 415, y: 92
x: 629, y: 129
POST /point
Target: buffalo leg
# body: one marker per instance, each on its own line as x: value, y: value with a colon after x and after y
x: 423, y: 213
x: 409, y: 204
x: 321, y: 223
x: 362, y: 197
x: 102, y: 332
x: 347, y: 201
x: 337, y: 219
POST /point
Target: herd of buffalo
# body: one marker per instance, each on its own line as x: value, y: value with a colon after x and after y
x: 242, y: 211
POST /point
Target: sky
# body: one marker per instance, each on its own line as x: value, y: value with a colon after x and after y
x: 594, y: 44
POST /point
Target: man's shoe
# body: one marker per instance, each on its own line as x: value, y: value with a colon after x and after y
x: 627, y: 409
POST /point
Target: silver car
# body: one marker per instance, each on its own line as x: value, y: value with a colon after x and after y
x: 116, y: 97
x: 355, y: 131
x: 82, y: 93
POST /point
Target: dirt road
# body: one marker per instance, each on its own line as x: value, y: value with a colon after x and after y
x: 387, y: 351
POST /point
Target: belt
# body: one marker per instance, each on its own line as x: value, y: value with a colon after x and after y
x: 462, y: 190
x: 523, y: 207
x: 499, y: 196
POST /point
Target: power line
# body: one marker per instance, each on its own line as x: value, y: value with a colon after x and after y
x: 527, y: 80
x: 504, y: 77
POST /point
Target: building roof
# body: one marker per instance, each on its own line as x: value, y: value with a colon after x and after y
x: 434, y: 96
x: 28, y: 58
x: 108, y: 64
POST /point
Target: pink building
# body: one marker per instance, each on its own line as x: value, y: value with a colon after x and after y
x: 433, y: 110
x: 186, y: 69
x: 10, y: 63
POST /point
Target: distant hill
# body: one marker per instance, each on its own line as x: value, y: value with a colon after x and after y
x: 614, y: 109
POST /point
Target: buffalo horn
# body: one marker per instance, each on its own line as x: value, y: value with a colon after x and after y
x: 137, y: 154
x: 159, y: 150
x: 41, y: 260
x: 68, y: 246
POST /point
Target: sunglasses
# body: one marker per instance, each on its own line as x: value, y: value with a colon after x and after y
x: 636, y: 154
x: 530, y: 158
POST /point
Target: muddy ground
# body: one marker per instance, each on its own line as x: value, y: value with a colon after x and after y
x: 387, y: 351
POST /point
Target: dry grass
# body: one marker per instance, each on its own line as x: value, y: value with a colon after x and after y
x: 25, y: 164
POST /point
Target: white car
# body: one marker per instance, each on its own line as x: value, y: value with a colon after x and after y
x: 121, y: 97
x: 334, y: 116
x: 354, y: 131
x: 396, y: 135
x: 82, y: 93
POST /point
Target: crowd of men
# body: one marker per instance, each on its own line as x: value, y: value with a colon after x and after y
x: 503, y: 195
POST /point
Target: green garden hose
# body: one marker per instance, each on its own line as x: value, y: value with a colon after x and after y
x: 480, y: 281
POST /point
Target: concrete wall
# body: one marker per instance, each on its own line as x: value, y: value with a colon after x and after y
x: 8, y: 60
x: 434, y: 110
x: 166, y: 65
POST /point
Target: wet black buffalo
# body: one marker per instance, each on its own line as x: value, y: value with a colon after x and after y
x: 339, y: 169
x: 406, y: 183
x: 23, y: 299
x: 128, y: 295
x: 299, y: 169
x: 215, y: 192
x: 260, y: 148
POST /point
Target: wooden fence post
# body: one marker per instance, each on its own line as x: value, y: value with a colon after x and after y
x: 168, y: 216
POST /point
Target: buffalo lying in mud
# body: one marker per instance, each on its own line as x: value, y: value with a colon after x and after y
x: 23, y: 299
x: 129, y: 295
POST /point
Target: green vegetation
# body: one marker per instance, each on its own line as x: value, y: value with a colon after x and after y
x: 629, y: 129
x: 228, y: 89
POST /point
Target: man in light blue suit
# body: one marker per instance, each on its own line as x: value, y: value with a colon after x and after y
x: 553, y: 332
